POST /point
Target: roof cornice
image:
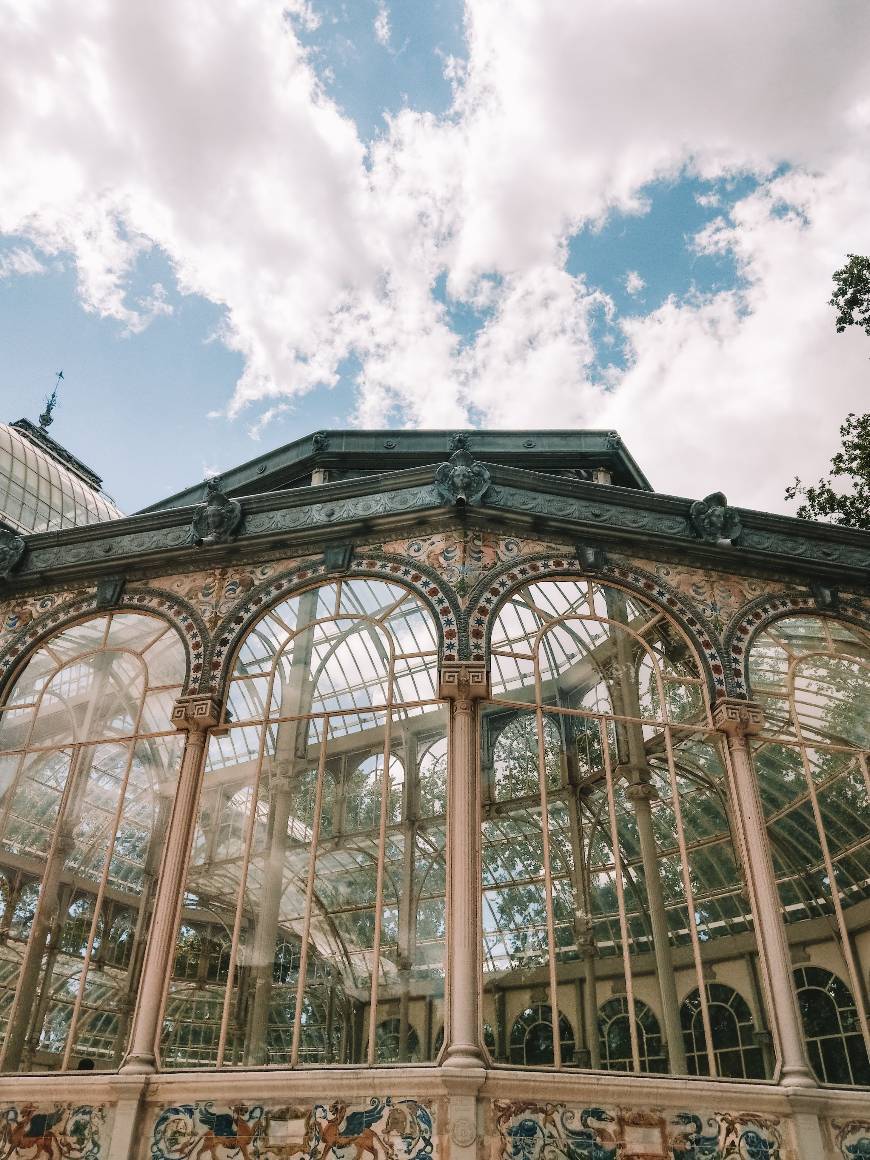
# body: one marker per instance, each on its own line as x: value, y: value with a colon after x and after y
x: 364, y: 507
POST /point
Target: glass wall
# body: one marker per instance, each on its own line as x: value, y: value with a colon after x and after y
x: 312, y: 926
x: 608, y: 862
x: 811, y: 675
x: 88, y: 766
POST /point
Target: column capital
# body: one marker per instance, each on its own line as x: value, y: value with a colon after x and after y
x: 738, y: 718
x: 463, y: 681
x: 196, y: 712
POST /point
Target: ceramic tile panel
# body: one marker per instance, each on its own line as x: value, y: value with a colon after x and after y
x: 375, y: 1129
x: 537, y: 1131
x: 847, y: 1139
x: 52, y: 1131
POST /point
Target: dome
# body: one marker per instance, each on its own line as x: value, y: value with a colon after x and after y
x: 43, y: 488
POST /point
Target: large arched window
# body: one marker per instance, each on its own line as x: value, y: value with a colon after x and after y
x: 319, y: 846
x: 614, y: 1032
x: 88, y: 766
x: 607, y: 851
x: 831, y: 1028
x: 733, y: 1032
x: 532, y: 1037
x: 811, y: 675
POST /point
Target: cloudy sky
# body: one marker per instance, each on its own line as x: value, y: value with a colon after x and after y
x: 232, y: 224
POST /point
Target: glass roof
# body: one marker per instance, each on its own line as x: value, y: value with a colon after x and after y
x: 38, y: 493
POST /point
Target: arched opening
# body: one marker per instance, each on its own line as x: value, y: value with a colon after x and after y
x: 831, y: 1029
x: 309, y: 850
x: 608, y: 859
x: 614, y: 1030
x: 531, y: 1041
x: 732, y: 1031
x: 89, y: 760
x: 811, y: 676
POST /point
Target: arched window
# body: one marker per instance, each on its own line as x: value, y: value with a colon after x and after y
x: 306, y: 850
x: 88, y: 762
x: 606, y: 834
x: 532, y: 1036
x: 830, y: 1021
x: 811, y: 675
x: 614, y: 1033
x: 733, y: 1033
x: 388, y: 1042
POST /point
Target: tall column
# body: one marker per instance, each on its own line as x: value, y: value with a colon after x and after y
x: 195, y: 715
x: 641, y: 793
x: 590, y: 999
x: 464, y: 684
x: 738, y: 720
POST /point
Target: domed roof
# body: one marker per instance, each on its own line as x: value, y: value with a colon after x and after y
x: 44, y: 488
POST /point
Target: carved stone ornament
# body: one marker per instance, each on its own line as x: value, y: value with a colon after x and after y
x: 217, y: 521
x: 713, y: 520
x: 11, y: 551
x: 319, y: 442
x: 591, y: 556
x: 109, y: 591
x: 463, y: 681
x: 196, y: 711
x: 738, y: 718
x: 463, y: 480
x: 826, y: 598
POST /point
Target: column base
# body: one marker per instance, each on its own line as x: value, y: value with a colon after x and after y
x: 797, y: 1077
x: 464, y: 1055
x: 138, y: 1065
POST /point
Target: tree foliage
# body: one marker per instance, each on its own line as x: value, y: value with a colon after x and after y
x: 850, y: 466
x: 852, y: 293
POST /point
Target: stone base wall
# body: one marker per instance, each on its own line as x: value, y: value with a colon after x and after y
x: 421, y: 1113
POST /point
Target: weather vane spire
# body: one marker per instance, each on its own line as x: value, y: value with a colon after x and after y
x: 45, y: 419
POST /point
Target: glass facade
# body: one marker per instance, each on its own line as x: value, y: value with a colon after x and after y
x: 39, y: 493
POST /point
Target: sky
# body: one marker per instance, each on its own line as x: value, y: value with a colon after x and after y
x: 231, y: 225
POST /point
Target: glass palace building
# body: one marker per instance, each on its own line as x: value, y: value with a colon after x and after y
x: 407, y: 795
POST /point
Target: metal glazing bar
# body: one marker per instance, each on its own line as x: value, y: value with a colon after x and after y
x: 309, y: 896
x: 548, y: 877
x: 620, y: 893
x: 690, y: 901
x: 379, y: 888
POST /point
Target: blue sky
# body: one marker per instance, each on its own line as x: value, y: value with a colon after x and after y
x: 334, y: 214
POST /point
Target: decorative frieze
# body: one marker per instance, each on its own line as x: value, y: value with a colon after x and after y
x: 49, y: 1130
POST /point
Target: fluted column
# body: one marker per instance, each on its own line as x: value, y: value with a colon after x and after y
x: 739, y: 720
x: 196, y: 715
x: 464, y: 684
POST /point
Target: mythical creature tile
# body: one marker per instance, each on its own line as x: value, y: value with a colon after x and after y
x: 377, y: 1129
x: 215, y: 591
x: 534, y: 1131
x: 848, y: 1139
x: 51, y: 1131
x: 18, y: 611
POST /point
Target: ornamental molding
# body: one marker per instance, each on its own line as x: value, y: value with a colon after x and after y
x: 488, y: 597
x: 177, y: 612
x: 417, y: 578
x: 617, y: 513
x: 759, y: 613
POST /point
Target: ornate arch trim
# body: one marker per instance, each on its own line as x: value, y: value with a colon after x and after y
x: 759, y: 613
x: 420, y: 580
x: 487, y: 598
x: 177, y: 612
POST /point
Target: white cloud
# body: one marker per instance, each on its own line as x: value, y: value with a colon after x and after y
x: 19, y: 260
x: 633, y: 282
x: 382, y: 24
x: 124, y: 127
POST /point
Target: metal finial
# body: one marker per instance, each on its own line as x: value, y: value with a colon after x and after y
x: 45, y: 419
